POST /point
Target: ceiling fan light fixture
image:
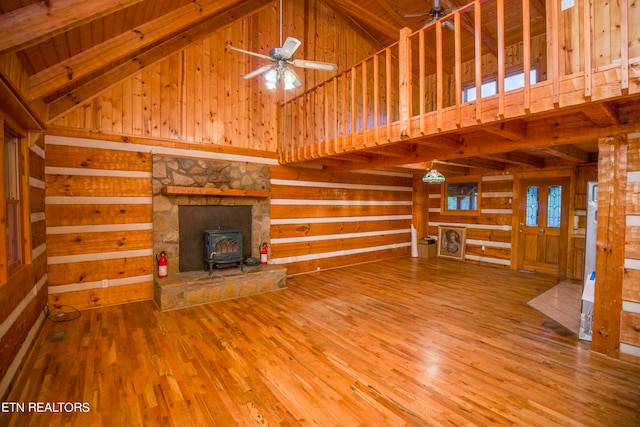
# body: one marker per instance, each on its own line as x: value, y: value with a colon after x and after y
x: 271, y: 76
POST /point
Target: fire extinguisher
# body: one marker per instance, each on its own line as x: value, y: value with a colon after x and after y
x: 162, y: 264
x: 263, y: 254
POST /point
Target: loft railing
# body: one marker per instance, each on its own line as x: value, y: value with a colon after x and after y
x: 427, y: 83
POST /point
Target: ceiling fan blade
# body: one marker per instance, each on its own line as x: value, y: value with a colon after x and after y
x: 257, y: 72
x: 290, y: 45
x: 315, y: 65
x: 415, y: 15
x: 259, y: 55
x: 296, y: 81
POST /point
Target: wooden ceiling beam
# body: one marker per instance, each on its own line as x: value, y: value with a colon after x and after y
x: 125, y: 45
x: 513, y: 130
x: 362, y: 14
x: 602, y: 114
x: 400, y: 20
x: 570, y: 153
x: 37, y: 22
x: 393, y: 150
x: 93, y: 88
x: 519, y: 159
x: 478, y: 163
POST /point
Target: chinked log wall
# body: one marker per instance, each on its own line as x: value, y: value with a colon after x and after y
x: 99, y: 220
x: 24, y: 296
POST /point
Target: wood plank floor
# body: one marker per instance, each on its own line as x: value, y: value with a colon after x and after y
x: 399, y: 342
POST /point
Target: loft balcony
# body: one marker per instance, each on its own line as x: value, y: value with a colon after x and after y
x: 484, y: 83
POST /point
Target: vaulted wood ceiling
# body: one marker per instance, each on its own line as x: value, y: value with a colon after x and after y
x: 68, y: 44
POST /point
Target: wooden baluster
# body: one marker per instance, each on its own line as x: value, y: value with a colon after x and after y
x: 478, y: 58
x: 365, y: 112
x: 405, y: 82
x: 526, y: 52
x: 376, y: 98
x: 422, y: 78
x: 501, y: 66
x: 555, y: 53
x: 439, y: 78
x: 458, y: 67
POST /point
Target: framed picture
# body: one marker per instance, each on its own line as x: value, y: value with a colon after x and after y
x: 452, y: 242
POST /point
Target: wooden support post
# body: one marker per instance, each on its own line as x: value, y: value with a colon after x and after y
x: 610, y: 244
x: 404, y: 67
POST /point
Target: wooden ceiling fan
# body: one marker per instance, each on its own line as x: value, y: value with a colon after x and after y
x: 282, y: 61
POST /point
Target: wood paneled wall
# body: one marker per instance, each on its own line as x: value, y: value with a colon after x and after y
x: 492, y: 229
x: 99, y: 214
x: 321, y: 220
x: 197, y: 95
x: 630, y: 316
x: 24, y: 295
x: 98, y: 210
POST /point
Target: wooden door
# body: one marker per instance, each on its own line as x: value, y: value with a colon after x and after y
x: 543, y: 214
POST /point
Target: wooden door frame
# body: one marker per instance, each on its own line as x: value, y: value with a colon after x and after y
x: 517, y: 183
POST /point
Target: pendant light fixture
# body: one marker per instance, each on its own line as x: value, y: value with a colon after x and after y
x: 433, y: 176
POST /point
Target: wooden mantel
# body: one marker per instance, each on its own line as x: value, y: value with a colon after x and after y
x: 172, y: 190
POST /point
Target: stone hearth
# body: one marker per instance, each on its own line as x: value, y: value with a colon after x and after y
x: 210, y: 183
x: 195, y: 288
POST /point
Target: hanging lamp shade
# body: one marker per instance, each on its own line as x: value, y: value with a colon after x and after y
x: 433, y: 176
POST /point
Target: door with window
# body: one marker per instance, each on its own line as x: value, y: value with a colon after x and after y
x: 543, y: 214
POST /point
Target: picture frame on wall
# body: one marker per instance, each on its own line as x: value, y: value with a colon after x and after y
x: 452, y: 242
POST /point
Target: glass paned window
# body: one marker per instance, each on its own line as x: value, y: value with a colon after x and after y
x: 532, y: 206
x: 12, y: 197
x: 554, y: 206
x: 462, y: 196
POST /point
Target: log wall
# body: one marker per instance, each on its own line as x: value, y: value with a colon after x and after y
x: 24, y: 294
x: 493, y: 227
x: 197, y: 95
x: 630, y: 316
x: 321, y: 220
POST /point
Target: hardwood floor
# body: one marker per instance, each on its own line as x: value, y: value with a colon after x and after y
x: 399, y: 342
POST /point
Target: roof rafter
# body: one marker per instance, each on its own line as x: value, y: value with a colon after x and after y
x: 124, y: 46
x: 92, y: 89
x: 37, y: 22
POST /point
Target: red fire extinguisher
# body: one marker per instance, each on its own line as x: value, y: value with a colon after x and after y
x: 263, y: 254
x: 162, y: 265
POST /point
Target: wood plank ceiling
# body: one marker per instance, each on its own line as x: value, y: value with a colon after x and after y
x: 68, y: 45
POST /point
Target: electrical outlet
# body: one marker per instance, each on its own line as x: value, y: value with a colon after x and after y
x: 105, y: 283
x: 566, y: 4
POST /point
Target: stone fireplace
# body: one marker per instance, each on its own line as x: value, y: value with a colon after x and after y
x: 191, y: 196
x: 223, y: 211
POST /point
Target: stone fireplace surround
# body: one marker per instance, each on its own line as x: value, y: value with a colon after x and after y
x: 192, y: 288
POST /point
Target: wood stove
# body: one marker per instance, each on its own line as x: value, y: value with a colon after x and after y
x: 222, y: 248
